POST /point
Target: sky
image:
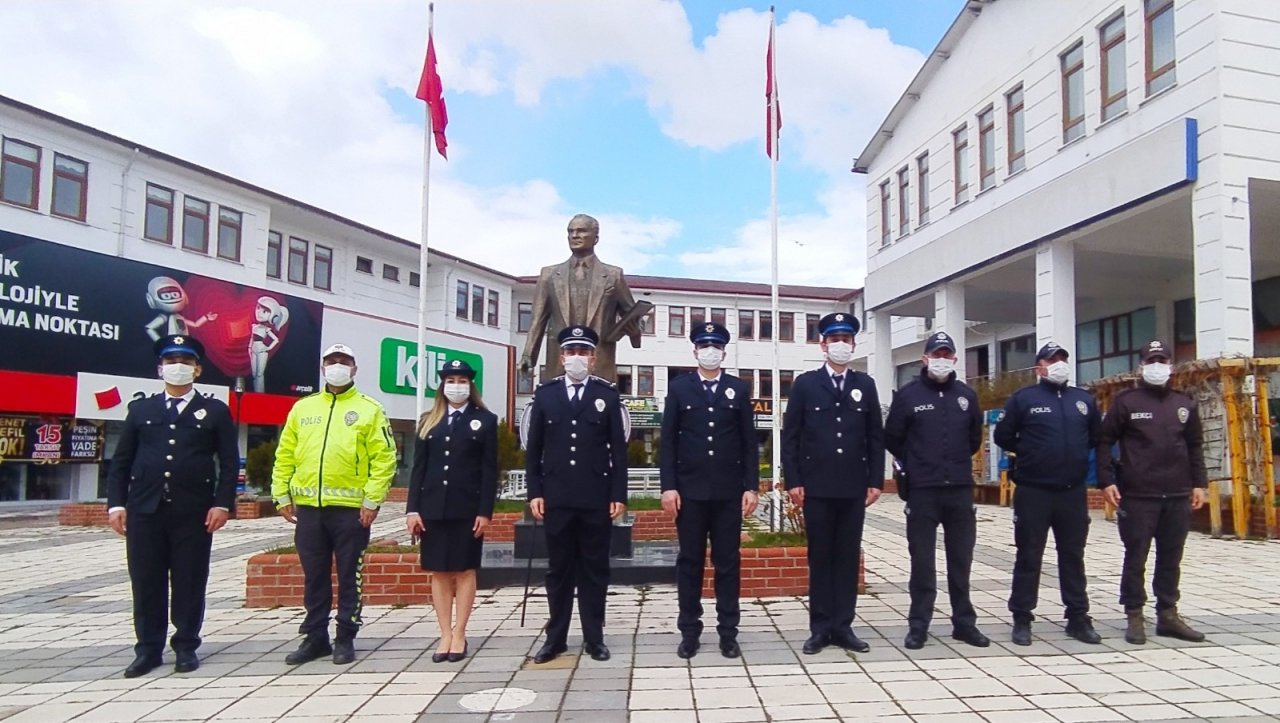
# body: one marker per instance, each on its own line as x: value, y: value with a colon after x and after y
x: 647, y: 114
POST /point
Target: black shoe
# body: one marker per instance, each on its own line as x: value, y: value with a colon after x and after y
x: 915, y: 639
x: 972, y: 636
x: 816, y: 643
x: 687, y: 648
x: 439, y: 657
x: 847, y: 640
x: 729, y: 648
x: 1083, y: 631
x: 549, y: 652
x: 597, y: 651
x: 344, y: 652
x: 455, y: 657
x: 309, y: 650
x: 187, y: 662
x: 1021, y: 632
x: 142, y: 665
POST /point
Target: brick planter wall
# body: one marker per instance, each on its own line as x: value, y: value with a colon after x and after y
x: 389, y: 578
x: 1257, y: 519
x: 775, y: 572
x: 398, y: 494
x: 653, y: 525
x: 502, y: 527
x: 83, y: 514
x: 253, y: 509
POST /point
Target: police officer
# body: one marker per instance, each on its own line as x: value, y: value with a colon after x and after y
x: 934, y: 429
x: 709, y: 465
x: 1161, y: 466
x: 576, y: 466
x: 334, y: 463
x: 167, y: 496
x: 1051, y: 427
x: 833, y: 463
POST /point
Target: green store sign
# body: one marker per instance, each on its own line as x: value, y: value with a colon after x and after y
x: 398, y: 367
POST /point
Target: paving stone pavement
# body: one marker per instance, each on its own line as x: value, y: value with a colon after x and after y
x: 66, y: 635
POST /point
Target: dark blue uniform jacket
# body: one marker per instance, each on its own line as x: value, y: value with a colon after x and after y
x: 934, y: 430
x: 833, y: 442
x: 1052, y: 429
x: 708, y: 449
x: 576, y: 455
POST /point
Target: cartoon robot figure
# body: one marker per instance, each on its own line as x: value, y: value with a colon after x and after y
x: 269, y: 318
x: 167, y: 296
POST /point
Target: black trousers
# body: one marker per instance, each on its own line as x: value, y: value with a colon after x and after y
x: 326, y: 536
x: 1036, y: 511
x: 578, y: 559
x: 952, y: 508
x: 834, y: 528
x: 168, y: 555
x: 722, y: 520
x: 1140, y: 521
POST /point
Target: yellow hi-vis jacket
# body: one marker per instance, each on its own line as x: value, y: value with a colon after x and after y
x: 334, y: 451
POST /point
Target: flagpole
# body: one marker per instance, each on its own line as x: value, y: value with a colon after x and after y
x: 773, y: 262
x: 420, y: 398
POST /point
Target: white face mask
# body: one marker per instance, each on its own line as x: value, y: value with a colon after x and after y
x: 1058, y: 372
x: 179, y: 375
x: 576, y: 367
x: 709, y: 357
x: 940, y: 369
x: 338, y: 375
x: 457, y: 392
x: 840, y: 352
x: 1156, y: 374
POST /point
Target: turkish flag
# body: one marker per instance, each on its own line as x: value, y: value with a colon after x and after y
x: 431, y: 90
x: 770, y: 93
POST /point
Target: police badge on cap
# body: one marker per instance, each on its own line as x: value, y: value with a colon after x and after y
x: 578, y: 335
x: 710, y: 333
x: 459, y: 367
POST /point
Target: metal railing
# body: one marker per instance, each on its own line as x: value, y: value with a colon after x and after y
x: 640, y: 483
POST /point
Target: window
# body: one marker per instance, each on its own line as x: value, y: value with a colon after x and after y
x: 986, y: 149
x: 718, y: 316
x: 673, y: 372
x: 524, y: 382
x: 415, y: 279
x: 477, y: 303
x: 644, y: 381
x: 322, y: 271
x: 1113, y: 86
x: 492, y: 319
x: 960, y: 142
x: 766, y: 383
x: 675, y: 320
x: 885, y: 223
x: 811, y: 328
x: 786, y: 326
x: 904, y: 201
x: 1161, y: 62
x: 229, y: 224
x: 785, y: 378
x: 1073, y: 93
x: 158, y: 223
x: 746, y: 324
x: 298, y: 260
x: 1111, y: 345
x: 766, y: 325
x: 363, y: 265
x: 195, y: 225
x: 749, y: 376
x: 1015, y: 122
x: 461, y: 304
x: 624, y: 382
x: 922, y: 189
x: 1018, y: 354
x: 275, y: 242
x: 649, y: 322
x: 697, y: 316
x: 70, y: 187
x: 20, y: 173
x: 524, y: 316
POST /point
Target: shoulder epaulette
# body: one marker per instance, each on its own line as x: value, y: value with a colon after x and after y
x: 602, y: 380
x: 554, y: 380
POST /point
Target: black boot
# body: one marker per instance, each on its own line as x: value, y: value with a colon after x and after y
x: 310, y: 649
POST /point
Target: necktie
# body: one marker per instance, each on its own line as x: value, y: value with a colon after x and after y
x: 172, y: 412
x: 577, y: 393
x: 453, y: 417
x: 839, y: 381
x: 710, y: 386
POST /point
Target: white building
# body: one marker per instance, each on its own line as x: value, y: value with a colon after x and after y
x: 95, y: 229
x: 1095, y: 172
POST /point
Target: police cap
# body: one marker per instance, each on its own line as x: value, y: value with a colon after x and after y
x: 837, y: 323
x: 457, y: 366
x: 179, y: 344
x: 578, y: 335
x: 1051, y: 350
x: 1156, y: 349
x: 709, y: 332
x: 940, y: 340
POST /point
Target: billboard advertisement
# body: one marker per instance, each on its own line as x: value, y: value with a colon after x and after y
x: 49, y: 440
x: 65, y: 310
x: 104, y: 396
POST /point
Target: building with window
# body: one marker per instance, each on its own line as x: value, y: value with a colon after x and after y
x: 1125, y: 186
x: 106, y: 245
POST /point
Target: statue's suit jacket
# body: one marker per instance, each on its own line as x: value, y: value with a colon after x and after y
x: 608, y: 300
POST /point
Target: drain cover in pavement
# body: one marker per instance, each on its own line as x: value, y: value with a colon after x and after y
x: 491, y: 699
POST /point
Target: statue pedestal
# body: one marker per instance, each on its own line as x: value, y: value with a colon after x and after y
x: 531, y: 539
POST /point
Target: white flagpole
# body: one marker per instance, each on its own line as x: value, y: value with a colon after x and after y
x: 420, y: 400
x: 773, y: 251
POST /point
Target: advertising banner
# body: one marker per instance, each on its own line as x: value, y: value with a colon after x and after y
x: 49, y: 441
x: 644, y: 412
x: 104, y: 396
x: 65, y: 310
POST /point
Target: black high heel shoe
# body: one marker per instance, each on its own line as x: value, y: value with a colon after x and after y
x: 455, y: 657
x: 440, y: 657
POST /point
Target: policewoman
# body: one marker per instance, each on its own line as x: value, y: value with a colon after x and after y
x: 171, y: 486
x: 576, y: 466
x: 451, y: 495
x: 934, y: 429
x: 833, y: 464
x: 709, y: 467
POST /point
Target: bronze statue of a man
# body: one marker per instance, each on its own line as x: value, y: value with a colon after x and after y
x: 583, y: 290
